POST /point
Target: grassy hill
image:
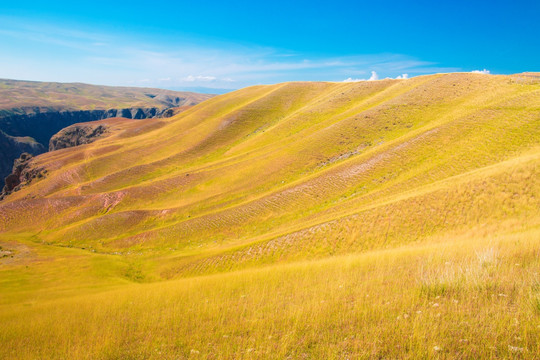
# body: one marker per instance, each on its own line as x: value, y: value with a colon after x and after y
x: 385, y: 219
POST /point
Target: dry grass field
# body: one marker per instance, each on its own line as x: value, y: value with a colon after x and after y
x: 386, y: 219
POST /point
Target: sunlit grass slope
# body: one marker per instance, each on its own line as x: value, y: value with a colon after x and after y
x: 386, y: 219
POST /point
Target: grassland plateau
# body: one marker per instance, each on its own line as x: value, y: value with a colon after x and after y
x: 305, y: 220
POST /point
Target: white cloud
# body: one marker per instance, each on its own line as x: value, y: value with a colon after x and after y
x: 350, y: 79
x: 191, y: 78
x: 481, y: 72
x: 373, y: 77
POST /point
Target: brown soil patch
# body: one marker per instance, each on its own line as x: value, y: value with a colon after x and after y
x: 13, y: 253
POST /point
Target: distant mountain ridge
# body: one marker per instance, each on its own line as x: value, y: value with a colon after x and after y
x: 19, y: 97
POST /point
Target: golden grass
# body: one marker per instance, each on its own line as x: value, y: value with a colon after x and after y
x: 389, y: 219
x: 447, y: 298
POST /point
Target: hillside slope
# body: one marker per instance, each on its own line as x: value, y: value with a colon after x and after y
x: 41, y: 109
x: 376, y: 185
x: 268, y: 162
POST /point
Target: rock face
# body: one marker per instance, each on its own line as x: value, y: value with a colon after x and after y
x: 11, y: 148
x: 75, y: 135
x: 21, y: 174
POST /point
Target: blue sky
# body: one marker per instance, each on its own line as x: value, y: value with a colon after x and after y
x: 232, y: 44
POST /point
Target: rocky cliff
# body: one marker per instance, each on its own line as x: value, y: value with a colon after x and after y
x: 77, y: 134
x: 11, y: 147
x: 22, y: 174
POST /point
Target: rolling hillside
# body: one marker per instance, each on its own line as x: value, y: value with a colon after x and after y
x: 40, y: 109
x: 381, y: 219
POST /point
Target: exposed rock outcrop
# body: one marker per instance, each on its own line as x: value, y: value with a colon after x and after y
x: 77, y: 134
x: 23, y: 173
x: 175, y: 111
x: 11, y: 148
